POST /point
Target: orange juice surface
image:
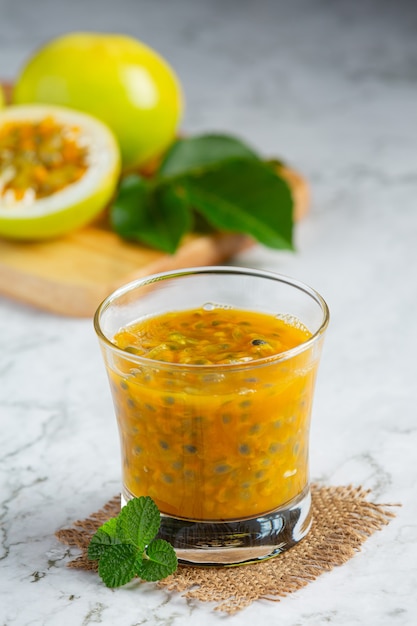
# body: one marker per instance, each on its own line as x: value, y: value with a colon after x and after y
x: 227, y: 439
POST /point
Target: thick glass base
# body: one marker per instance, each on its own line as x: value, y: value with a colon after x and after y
x: 237, y: 542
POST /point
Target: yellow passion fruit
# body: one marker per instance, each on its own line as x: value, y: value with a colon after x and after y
x: 115, y: 78
x: 58, y: 170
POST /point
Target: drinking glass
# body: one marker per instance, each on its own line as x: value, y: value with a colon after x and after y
x: 222, y: 449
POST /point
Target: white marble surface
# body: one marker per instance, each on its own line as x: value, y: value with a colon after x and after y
x: 331, y: 87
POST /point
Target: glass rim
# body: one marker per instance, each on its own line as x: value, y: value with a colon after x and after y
x: 212, y: 269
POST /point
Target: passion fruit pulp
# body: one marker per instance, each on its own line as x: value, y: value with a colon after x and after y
x: 116, y: 78
x: 58, y: 170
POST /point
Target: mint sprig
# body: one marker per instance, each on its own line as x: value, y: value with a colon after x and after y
x: 126, y: 546
x: 216, y: 180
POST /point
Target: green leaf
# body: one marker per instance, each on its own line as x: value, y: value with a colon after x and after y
x: 138, y: 522
x: 125, y: 546
x: 104, y: 537
x: 208, y: 182
x: 244, y: 196
x: 125, y: 213
x: 160, y: 561
x: 150, y: 214
x: 117, y: 566
x: 194, y: 153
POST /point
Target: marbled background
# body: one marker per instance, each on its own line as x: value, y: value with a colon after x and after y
x: 331, y: 87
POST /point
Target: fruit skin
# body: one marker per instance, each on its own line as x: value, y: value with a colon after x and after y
x: 2, y: 98
x: 115, y: 78
x: 71, y: 208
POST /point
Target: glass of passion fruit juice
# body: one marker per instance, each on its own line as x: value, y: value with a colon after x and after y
x: 212, y: 372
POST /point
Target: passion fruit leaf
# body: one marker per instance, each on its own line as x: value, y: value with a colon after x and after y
x: 126, y: 210
x: 210, y: 182
x: 150, y: 213
x: 193, y: 153
x: 244, y: 196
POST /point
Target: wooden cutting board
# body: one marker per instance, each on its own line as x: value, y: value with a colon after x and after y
x: 73, y: 274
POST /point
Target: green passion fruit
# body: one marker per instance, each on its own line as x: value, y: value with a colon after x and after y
x: 114, y: 77
x: 58, y: 170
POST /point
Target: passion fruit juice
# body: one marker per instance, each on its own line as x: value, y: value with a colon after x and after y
x: 213, y: 411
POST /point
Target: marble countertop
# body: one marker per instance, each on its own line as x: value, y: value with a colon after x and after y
x: 331, y: 88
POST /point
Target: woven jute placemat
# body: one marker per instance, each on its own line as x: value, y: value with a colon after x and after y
x: 343, y: 519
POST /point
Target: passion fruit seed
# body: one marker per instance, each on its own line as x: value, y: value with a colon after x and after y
x: 37, y: 159
x: 58, y: 170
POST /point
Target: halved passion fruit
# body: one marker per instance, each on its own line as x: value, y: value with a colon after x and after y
x: 58, y: 170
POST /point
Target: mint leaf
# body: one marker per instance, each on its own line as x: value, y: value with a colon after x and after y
x: 117, y: 566
x: 244, y: 196
x: 104, y: 537
x: 125, y: 546
x: 150, y: 214
x: 193, y: 153
x: 138, y: 522
x: 160, y: 561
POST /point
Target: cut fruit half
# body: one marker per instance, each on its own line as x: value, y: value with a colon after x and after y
x: 58, y: 170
